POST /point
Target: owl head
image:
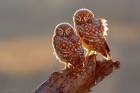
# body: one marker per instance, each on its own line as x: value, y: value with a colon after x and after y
x: 63, y: 30
x: 83, y: 16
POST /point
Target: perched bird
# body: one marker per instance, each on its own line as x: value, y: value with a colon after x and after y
x: 92, y: 32
x: 67, y: 46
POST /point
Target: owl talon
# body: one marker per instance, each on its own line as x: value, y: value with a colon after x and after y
x: 94, y: 58
x: 66, y: 66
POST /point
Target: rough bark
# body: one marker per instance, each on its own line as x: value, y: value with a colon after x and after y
x: 78, y: 80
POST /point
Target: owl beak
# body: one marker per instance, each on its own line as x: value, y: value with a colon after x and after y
x: 82, y: 19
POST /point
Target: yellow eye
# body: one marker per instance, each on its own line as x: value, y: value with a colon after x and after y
x: 59, y: 32
x: 86, y: 18
x: 68, y: 31
x: 78, y: 18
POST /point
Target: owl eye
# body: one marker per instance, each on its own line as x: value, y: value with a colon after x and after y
x: 86, y: 18
x: 68, y: 31
x: 60, y: 32
x: 78, y: 18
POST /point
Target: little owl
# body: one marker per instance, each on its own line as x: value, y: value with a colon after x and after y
x: 67, y: 46
x: 92, y: 32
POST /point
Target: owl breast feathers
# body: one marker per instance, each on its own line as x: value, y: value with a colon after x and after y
x: 68, y: 50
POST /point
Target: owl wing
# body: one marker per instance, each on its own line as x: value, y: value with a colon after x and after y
x: 104, y: 49
x: 98, y: 44
x: 102, y: 25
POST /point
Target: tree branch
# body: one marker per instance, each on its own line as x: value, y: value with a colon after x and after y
x: 78, y: 80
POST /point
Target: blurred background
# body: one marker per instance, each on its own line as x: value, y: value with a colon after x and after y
x: 26, y: 53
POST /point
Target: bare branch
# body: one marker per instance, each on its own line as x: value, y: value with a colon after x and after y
x: 78, y: 80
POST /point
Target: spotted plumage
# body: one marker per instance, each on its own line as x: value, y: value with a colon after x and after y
x: 92, y: 32
x: 67, y: 46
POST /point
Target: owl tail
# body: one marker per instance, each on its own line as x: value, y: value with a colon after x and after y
x: 105, y: 52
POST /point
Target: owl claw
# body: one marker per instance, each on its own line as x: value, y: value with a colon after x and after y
x: 85, y: 62
x: 66, y: 66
